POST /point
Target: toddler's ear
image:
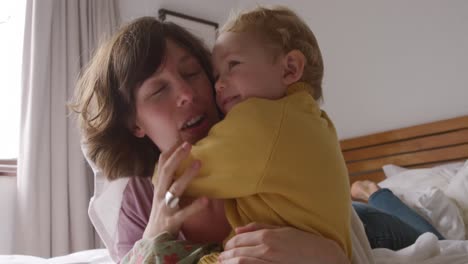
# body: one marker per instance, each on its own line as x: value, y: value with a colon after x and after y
x: 294, y: 63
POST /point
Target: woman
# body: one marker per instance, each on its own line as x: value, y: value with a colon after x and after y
x: 147, y: 90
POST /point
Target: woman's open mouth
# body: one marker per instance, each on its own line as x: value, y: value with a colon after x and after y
x: 193, y: 122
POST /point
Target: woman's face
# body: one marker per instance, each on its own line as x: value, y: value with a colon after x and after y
x: 176, y: 103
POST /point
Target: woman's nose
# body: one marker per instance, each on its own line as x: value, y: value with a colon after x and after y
x: 186, y: 94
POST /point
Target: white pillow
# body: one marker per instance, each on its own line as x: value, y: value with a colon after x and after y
x: 104, y: 206
x: 424, y: 190
x: 433, y: 205
x: 392, y: 170
x: 419, y: 179
x: 458, y: 191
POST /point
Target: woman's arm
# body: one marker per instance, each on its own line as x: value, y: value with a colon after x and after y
x: 134, y: 213
x: 257, y: 243
x: 160, y: 223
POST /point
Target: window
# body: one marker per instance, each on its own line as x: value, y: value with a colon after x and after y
x: 12, y: 16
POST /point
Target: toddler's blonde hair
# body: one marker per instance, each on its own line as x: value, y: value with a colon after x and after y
x: 282, y: 31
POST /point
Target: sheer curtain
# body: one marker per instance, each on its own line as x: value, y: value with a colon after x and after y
x: 54, y: 185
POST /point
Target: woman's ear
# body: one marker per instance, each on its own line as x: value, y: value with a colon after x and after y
x: 294, y: 63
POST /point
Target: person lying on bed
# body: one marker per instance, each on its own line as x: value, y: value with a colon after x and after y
x: 106, y: 103
x: 385, y: 214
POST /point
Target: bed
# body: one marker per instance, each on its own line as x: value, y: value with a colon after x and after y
x: 425, y: 165
x: 94, y: 256
x: 416, y: 162
x: 419, y: 146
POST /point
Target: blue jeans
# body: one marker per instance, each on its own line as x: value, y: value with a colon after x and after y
x: 389, y: 223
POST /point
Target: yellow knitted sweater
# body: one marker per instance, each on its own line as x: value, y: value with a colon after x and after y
x: 277, y: 162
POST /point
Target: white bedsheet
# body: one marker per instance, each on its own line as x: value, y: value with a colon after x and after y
x: 94, y: 256
x: 426, y: 250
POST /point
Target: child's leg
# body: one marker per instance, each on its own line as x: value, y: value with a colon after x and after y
x: 386, y: 201
x: 385, y: 230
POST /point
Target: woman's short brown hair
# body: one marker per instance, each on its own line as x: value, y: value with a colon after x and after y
x: 104, y: 96
x: 282, y: 30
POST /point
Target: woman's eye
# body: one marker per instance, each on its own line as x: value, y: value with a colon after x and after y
x: 232, y: 64
x: 191, y: 74
x: 159, y: 90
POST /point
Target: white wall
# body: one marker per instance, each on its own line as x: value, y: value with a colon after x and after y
x: 388, y: 64
x: 213, y: 10
x: 7, y: 200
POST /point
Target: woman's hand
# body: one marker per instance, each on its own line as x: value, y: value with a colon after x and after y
x: 162, y: 218
x: 258, y: 243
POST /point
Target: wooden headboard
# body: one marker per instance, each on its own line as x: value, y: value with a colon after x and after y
x: 416, y: 146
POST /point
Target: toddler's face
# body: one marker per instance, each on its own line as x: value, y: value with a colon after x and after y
x: 245, y: 68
